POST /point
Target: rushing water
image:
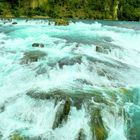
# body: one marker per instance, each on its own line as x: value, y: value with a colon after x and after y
x: 82, y: 84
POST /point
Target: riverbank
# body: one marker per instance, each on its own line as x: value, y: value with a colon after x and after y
x: 89, y: 9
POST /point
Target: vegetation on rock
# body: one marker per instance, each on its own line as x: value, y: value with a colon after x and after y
x: 79, y: 9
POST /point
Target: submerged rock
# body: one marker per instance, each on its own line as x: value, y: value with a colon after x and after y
x: 32, y: 56
x: 97, y: 126
x: 133, y: 123
x: 55, y: 94
x: 38, y: 45
x: 70, y: 61
x: 83, y: 81
x: 14, y: 23
x: 2, y: 108
x: 1, y: 135
x: 62, y: 113
x: 60, y: 22
x: 17, y: 137
x: 77, y: 98
x: 1, y: 43
x: 81, y: 135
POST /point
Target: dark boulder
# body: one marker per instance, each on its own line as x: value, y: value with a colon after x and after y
x: 32, y: 56
x: 62, y: 113
x: 14, y: 23
x: 38, y: 45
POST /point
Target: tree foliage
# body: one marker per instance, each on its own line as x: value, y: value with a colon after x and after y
x: 81, y: 9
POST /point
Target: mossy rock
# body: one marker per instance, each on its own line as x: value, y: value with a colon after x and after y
x: 32, y: 56
x: 133, y: 122
x: 56, y: 95
x: 97, y: 126
x: 60, y: 22
x: 77, y: 98
x: 62, y: 113
x: 17, y: 137
x: 126, y: 94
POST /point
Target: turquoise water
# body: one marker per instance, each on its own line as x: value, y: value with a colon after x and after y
x: 95, y: 63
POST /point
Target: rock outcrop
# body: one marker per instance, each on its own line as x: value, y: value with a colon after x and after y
x: 32, y: 56
x: 62, y: 113
x: 68, y: 61
x: 97, y: 126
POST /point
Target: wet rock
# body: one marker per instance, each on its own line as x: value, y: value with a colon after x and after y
x: 55, y: 94
x: 52, y: 64
x: 38, y: 45
x: 106, y: 73
x: 77, y: 98
x: 97, y: 126
x: 83, y: 81
x: 62, y: 113
x: 2, y: 108
x: 20, y: 136
x: 58, y: 95
x: 1, y: 135
x: 32, y: 56
x: 76, y: 47
x: 60, y: 22
x: 41, y: 70
x: 14, y: 23
x: 133, y: 123
x: 70, y: 61
x: 81, y: 135
x: 104, y: 62
x: 1, y: 43
x: 49, y: 23
x: 103, y: 49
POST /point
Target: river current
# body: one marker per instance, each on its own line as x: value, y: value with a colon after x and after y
x: 75, y: 82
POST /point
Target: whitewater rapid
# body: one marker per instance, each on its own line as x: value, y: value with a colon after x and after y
x: 85, y: 57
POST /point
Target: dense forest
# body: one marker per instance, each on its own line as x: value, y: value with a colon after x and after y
x: 80, y: 9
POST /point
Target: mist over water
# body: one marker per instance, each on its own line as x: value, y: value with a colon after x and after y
x: 82, y: 84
